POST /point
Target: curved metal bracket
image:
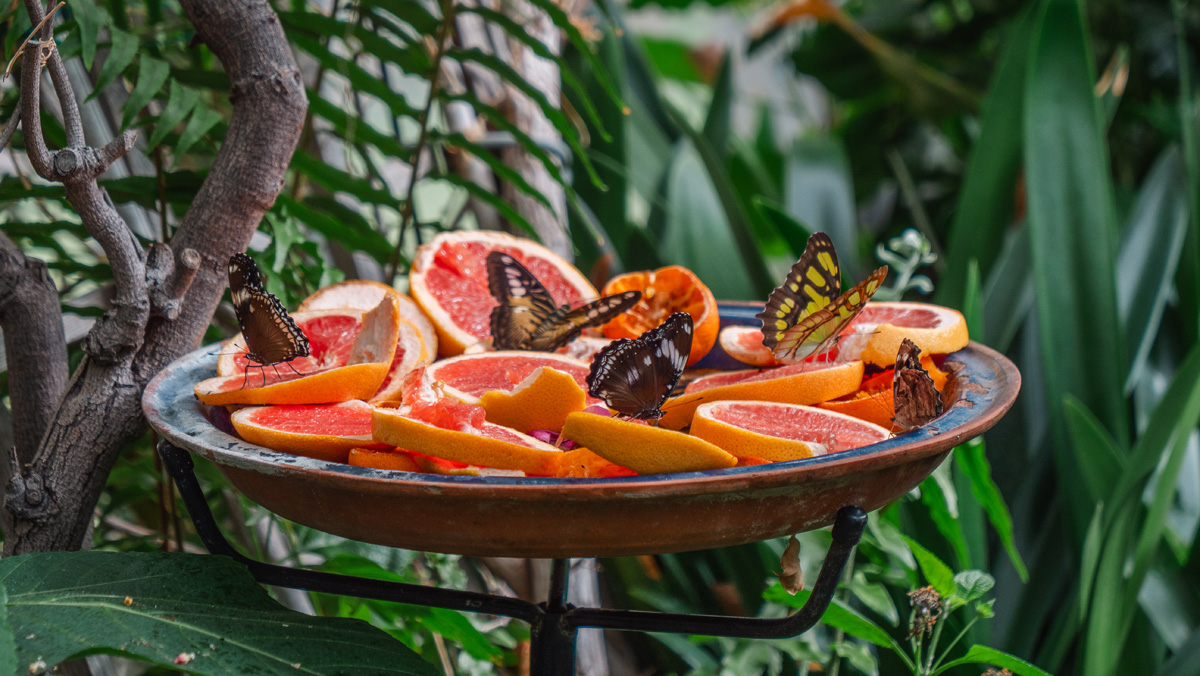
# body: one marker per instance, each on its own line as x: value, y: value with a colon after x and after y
x: 554, y: 624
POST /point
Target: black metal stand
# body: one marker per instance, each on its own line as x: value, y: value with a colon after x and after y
x: 554, y: 624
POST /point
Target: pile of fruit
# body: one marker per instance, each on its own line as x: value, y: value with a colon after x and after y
x: 413, y: 384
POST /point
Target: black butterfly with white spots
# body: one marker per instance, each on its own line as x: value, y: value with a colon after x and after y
x: 914, y: 394
x: 634, y: 377
x: 527, y: 317
x: 271, y: 335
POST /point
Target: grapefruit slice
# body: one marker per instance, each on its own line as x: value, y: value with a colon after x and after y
x: 325, y: 432
x: 540, y: 402
x: 873, y: 400
x: 469, y: 376
x: 360, y: 294
x: 666, y: 291
x: 643, y: 448
x: 778, y: 432
x: 448, y: 279
x: 487, y: 445
x: 745, y: 344
x: 803, y: 383
x: 397, y: 459
x: 876, y: 334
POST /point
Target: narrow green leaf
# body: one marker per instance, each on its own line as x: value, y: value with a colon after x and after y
x: 971, y: 458
x: 565, y: 23
x: 819, y: 192
x: 1073, y: 238
x: 984, y: 209
x: 152, y: 74
x: 410, y: 58
x: 90, y: 18
x: 937, y: 493
x: 1189, y: 122
x: 720, y: 110
x: 936, y: 573
x: 1098, y: 458
x: 412, y: 13
x: 360, y: 79
x: 1093, y: 544
x: 341, y: 230
x: 490, y: 198
x: 503, y: 171
x: 353, y: 129
x: 793, y: 232
x: 1103, y: 637
x: 180, y: 101
x: 120, y: 55
x: 1186, y: 660
x: 338, y: 180
x: 161, y: 608
x: 980, y: 654
x: 1008, y: 293
x: 203, y: 119
x: 839, y: 616
x: 1150, y: 254
x: 972, y: 303
x: 641, y: 83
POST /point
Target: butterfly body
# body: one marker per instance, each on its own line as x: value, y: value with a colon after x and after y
x: 805, y: 314
x: 914, y: 394
x: 271, y: 335
x: 527, y: 318
x: 635, y: 376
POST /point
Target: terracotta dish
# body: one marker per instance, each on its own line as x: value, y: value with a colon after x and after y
x: 558, y: 518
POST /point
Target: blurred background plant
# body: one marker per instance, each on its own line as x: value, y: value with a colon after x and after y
x: 1034, y: 162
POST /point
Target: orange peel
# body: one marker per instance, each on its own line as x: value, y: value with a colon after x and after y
x: 643, y: 448
x: 306, y: 430
x: 541, y: 402
x: 489, y: 446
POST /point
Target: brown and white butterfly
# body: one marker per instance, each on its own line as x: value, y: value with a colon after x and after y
x: 271, y: 335
x: 635, y: 377
x: 914, y: 395
x: 527, y: 317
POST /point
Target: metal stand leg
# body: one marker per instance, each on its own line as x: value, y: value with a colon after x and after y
x: 554, y: 624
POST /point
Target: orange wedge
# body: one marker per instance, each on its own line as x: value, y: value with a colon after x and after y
x: 398, y: 460
x: 779, y: 432
x: 324, y: 432
x: 583, y: 464
x: 804, y: 383
x: 541, y: 402
x: 666, y: 291
x: 643, y: 448
x: 489, y: 445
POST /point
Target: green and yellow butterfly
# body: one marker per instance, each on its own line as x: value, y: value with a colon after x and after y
x: 805, y: 314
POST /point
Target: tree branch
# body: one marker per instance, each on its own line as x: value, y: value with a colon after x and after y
x: 58, y: 76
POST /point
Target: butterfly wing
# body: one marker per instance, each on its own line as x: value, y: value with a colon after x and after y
x: 914, y: 394
x: 813, y: 283
x: 524, y: 304
x: 814, y: 332
x: 560, y: 329
x: 635, y: 377
x: 244, y: 278
x: 271, y: 334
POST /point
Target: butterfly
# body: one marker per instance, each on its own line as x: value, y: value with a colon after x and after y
x: 527, y: 317
x: 805, y: 314
x: 914, y: 395
x: 271, y: 336
x: 635, y: 377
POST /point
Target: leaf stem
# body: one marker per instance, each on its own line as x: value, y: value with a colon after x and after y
x: 409, y: 212
x: 953, y: 643
x: 937, y: 634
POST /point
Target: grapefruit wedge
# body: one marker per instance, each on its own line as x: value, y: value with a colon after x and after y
x: 486, y: 445
x: 779, y: 432
x: 745, y: 344
x: 359, y: 294
x: 541, y: 401
x: 643, y: 448
x: 467, y: 377
x: 448, y: 279
x: 804, y: 383
x: 324, y: 432
x: 876, y: 334
x: 368, y: 360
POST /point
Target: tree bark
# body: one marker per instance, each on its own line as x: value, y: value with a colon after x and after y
x: 152, y: 322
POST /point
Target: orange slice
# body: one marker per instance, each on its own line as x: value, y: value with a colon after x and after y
x: 541, y: 402
x: 779, y: 432
x: 448, y: 279
x: 324, y: 432
x: 489, y: 445
x: 664, y: 292
x: 804, y: 383
x: 643, y: 448
x: 745, y: 344
x: 876, y: 334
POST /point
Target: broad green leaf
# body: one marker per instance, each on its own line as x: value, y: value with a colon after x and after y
x: 152, y: 74
x: 120, y: 55
x: 1149, y: 256
x: 794, y: 233
x: 971, y: 458
x: 984, y: 208
x: 203, y: 119
x: 720, y: 109
x: 1099, y: 460
x: 162, y: 607
x: 818, y: 191
x: 90, y: 18
x: 180, y: 101
x: 936, y: 573
x: 696, y: 231
x: 859, y: 655
x: 839, y: 616
x: 939, y: 495
x: 973, y: 584
x: 8, y: 644
x: 874, y: 596
x: 979, y: 654
x: 1073, y: 237
x: 1186, y: 660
